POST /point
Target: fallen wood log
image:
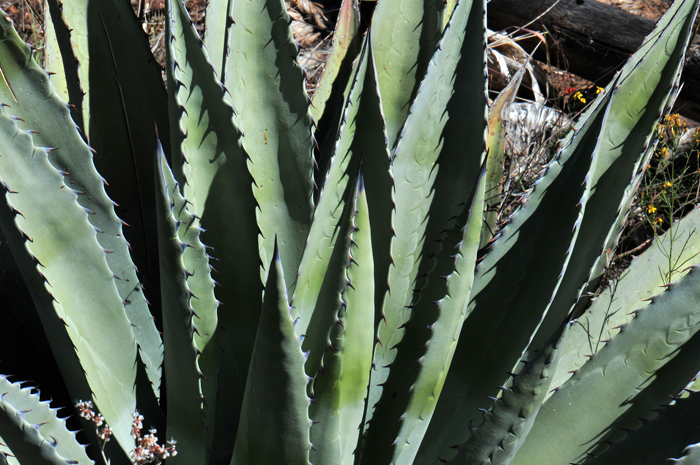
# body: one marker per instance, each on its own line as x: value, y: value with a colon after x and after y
x: 590, y: 39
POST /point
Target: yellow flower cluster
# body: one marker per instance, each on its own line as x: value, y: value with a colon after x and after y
x: 672, y: 125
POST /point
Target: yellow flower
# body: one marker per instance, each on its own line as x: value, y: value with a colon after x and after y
x: 667, y: 184
x: 598, y: 89
x: 659, y: 221
x: 664, y: 152
x: 651, y: 209
x: 579, y: 96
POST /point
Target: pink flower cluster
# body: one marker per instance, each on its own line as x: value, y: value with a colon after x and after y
x: 147, y: 450
x: 104, y: 432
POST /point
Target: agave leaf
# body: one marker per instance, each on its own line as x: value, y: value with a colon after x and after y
x: 691, y: 455
x: 29, y: 445
x: 613, y: 237
x: 340, y: 389
x: 53, y: 63
x: 506, y: 425
x: 328, y: 104
x: 76, y: 273
x: 403, y: 45
x: 506, y: 290
x: 218, y: 28
x: 434, y: 173
x: 515, y: 285
x: 196, y: 138
x: 410, y: 393
x: 495, y: 148
x: 632, y: 374
x: 343, y: 51
x: 322, y: 271
x: 324, y: 234
x: 23, y: 411
x: 659, y: 439
x: 122, y: 97
x: 184, y: 331
x: 666, y: 260
x: 54, y: 327
x: 449, y: 9
x: 41, y: 111
x: 206, y: 146
x: 667, y: 382
x: 60, y: 59
x: 267, y: 85
x: 274, y: 419
x: 638, y: 97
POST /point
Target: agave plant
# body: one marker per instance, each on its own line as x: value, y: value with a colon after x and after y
x: 315, y: 266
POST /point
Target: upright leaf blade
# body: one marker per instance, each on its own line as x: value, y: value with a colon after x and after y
x: 274, y: 420
x: 322, y: 271
x: 495, y: 149
x: 404, y: 36
x: 506, y: 425
x: 267, y: 87
x: 183, y: 330
x: 434, y: 174
x: 343, y: 51
x: 340, y: 389
x: 207, y: 150
x: 122, y: 97
x: 415, y: 382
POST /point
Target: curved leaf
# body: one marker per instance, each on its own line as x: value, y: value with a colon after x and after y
x: 40, y: 110
x: 32, y: 429
x: 621, y: 374
x: 74, y: 265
